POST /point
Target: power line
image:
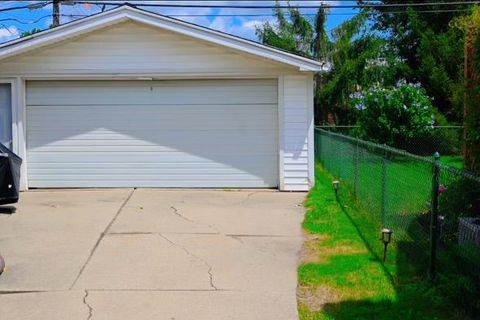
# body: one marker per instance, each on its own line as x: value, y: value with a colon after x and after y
x: 228, y: 15
x: 42, y: 4
x: 24, y: 21
x: 37, y: 5
x: 157, y: 1
x: 274, y: 15
x: 332, y: 6
x: 30, y: 6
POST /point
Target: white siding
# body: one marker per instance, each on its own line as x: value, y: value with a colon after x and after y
x: 297, y: 128
x: 133, y: 48
x: 202, y: 133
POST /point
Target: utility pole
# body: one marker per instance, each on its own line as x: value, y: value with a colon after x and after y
x: 56, y: 13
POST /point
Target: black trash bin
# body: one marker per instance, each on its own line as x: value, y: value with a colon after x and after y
x: 9, y: 175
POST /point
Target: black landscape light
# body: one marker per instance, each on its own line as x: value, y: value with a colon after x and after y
x: 386, y: 239
x: 336, y: 186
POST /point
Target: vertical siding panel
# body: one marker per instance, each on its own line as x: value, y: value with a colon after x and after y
x: 297, y: 132
x: 281, y: 138
x: 311, y: 131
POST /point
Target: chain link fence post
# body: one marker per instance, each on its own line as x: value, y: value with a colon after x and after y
x: 434, y: 217
x: 355, y: 170
x: 384, y: 188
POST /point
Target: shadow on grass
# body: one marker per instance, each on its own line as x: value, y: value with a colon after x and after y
x: 415, y: 297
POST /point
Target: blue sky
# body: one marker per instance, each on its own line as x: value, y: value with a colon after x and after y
x: 243, y: 26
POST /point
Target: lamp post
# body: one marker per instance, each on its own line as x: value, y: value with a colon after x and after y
x: 386, y: 237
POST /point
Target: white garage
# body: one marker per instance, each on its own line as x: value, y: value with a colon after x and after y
x: 128, y: 98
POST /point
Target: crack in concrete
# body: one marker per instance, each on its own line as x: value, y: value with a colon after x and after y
x: 176, y: 211
x: 102, y: 235
x: 90, y: 309
x: 181, y: 216
x: 210, y: 269
x: 251, y: 194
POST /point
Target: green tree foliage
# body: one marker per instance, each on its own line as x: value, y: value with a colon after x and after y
x: 359, y: 58
x: 470, y: 25
x: 30, y: 32
x: 347, y: 56
x: 472, y: 116
x: 295, y: 33
x: 431, y: 49
x: 393, y: 115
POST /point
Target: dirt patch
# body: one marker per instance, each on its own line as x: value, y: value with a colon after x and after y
x: 310, y: 251
x: 341, y: 250
x: 314, y: 252
x: 316, y: 298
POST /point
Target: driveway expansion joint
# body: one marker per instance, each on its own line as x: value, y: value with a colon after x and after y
x: 158, y: 233
x: 22, y: 292
x: 102, y: 235
x: 210, y: 269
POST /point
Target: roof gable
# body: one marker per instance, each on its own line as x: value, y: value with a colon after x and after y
x: 126, y: 13
x: 132, y: 48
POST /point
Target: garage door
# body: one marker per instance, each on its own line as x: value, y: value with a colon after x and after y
x: 220, y: 133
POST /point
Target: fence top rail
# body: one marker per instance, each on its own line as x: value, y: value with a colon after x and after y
x: 356, y: 126
x: 458, y: 172
x: 391, y: 150
x: 376, y: 146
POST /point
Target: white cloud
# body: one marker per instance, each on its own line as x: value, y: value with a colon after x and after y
x: 235, y: 23
x: 7, y: 33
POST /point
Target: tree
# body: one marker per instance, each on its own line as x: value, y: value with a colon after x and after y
x: 470, y: 25
x: 358, y: 58
x: 432, y: 51
x: 393, y: 115
x: 295, y: 33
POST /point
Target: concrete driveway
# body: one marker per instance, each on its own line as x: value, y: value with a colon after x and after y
x: 151, y: 254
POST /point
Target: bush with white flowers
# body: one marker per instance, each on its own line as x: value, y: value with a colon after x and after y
x: 393, y: 115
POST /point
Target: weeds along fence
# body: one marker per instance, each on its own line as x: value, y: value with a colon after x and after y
x: 433, y: 210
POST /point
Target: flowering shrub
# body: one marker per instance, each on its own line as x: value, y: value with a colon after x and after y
x: 393, y: 115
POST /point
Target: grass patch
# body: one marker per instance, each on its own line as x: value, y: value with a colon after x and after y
x: 348, y: 277
x: 452, y: 161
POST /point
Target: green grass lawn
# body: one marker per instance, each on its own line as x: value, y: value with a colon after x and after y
x: 341, y: 275
x: 452, y: 161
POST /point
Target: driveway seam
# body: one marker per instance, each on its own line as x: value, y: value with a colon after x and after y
x: 210, y: 273
x: 102, y: 235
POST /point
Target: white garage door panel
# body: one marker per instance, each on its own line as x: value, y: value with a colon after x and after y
x: 152, y: 133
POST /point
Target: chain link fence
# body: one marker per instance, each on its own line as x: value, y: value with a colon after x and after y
x: 447, y: 140
x: 397, y: 189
